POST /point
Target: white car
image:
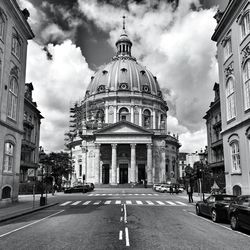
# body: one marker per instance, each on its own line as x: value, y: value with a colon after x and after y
x: 164, y: 188
x: 156, y: 186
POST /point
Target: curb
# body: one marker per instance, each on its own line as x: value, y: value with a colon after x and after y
x: 28, y: 211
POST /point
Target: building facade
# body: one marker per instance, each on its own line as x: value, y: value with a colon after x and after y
x: 214, y: 139
x: 232, y: 36
x: 30, y: 142
x: 121, y: 125
x: 14, y: 33
x: 182, y: 164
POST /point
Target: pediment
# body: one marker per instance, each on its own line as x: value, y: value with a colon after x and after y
x: 123, y: 127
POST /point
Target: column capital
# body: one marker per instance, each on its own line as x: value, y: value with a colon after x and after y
x: 97, y: 145
x: 149, y: 145
x: 132, y: 145
x: 114, y: 145
x: 163, y: 149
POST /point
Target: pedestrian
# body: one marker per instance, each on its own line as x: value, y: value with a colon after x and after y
x: 171, y: 190
x: 145, y: 183
x: 190, y: 194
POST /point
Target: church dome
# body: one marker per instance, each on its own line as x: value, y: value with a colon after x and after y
x: 123, y: 73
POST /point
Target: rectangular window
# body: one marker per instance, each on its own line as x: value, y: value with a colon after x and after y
x: 16, y: 46
x: 80, y: 170
x: 8, y: 157
x: 2, y: 24
x: 245, y: 26
x: 228, y: 49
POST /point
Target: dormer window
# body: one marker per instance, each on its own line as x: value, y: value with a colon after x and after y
x: 92, y: 78
x: 145, y: 88
x: 124, y: 70
x: 124, y: 86
x: 87, y: 93
x: 101, y: 88
x: 143, y: 72
x: 159, y: 93
x: 104, y: 72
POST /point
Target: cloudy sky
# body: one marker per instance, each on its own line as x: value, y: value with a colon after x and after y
x: 75, y: 37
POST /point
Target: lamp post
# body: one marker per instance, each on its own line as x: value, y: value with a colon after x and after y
x: 42, y: 156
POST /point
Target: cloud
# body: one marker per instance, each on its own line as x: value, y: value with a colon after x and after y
x: 176, y: 47
x: 57, y: 84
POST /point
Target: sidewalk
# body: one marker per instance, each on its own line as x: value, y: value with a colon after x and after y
x: 26, y: 204
x: 196, y: 196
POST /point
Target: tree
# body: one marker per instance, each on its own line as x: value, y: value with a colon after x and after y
x: 60, y: 166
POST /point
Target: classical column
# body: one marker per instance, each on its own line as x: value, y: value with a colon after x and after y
x: 132, y: 114
x: 140, y: 116
x: 154, y: 121
x: 133, y: 163
x: 84, y: 150
x: 159, y: 121
x: 149, y: 163
x: 97, y: 163
x: 163, y: 164
x: 113, y: 164
x: 115, y: 115
x: 106, y: 113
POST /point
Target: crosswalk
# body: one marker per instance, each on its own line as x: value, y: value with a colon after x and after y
x: 123, y: 194
x: 127, y: 202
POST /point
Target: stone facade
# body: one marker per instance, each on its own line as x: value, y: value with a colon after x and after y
x: 120, y: 127
x: 214, y: 139
x: 232, y: 35
x: 14, y: 33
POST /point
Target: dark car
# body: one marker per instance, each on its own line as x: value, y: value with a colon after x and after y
x: 89, y: 186
x: 215, y: 206
x: 76, y: 189
x: 239, y: 213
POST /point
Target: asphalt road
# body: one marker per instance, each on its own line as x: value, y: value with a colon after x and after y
x: 119, y: 219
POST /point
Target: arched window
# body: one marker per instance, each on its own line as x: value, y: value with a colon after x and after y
x: 236, y: 190
x: 235, y: 156
x: 123, y: 114
x: 146, y: 118
x: 6, y: 192
x: 230, y: 99
x: 12, y: 98
x: 246, y: 82
x: 8, y: 157
x: 245, y: 25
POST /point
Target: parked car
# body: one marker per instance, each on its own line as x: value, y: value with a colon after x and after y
x: 156, y: 186
x: 239, y: 213
x: 164, y: 188
x: 90, y: 186
x: 181, y: 188
x: 76, y: 189
x: 215, y: 206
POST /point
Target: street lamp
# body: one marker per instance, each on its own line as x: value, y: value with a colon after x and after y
x: 42, y: 156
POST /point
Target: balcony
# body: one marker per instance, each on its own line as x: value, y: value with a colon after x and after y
x: 25, y: 164
x: 28, y: 144
x: 217, y: 125
x: 216, y: 164
x: 217, y: 144
x: 28, y: 124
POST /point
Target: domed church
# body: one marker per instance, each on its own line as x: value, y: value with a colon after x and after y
x: 119, y: 130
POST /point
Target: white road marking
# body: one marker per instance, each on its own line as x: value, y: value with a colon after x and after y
x: 107, y: 202
x: 86, y: 202
x: 181, y: 203
x: 30, y: 224
x: 156, y: 194
x: 139, y: 202
x: 136, y: 194
x: 125, y: 213
x: 228, y: 228
x: 65, y: 203
x: 150, y: 202
x: 130, y: 194
x: 127, y: 237
x: 91, y: 195
x: 160, y: 202
x: 120, y: 235
x: 149, y: 194
x: 103, y: 194
x: 143, y: 194
x: 97, y: 202
x: 171, y: 203
x: 121, y: 209
x: 75, y: 203
x: 118, y: 202
x: 128, y: 202
x: 121, y: 218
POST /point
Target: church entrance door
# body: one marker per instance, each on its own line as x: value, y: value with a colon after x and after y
x: 105, y: 173
x: 123, y: 174
x: 141, y: 172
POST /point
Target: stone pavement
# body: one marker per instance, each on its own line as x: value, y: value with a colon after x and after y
x: 26, y: 204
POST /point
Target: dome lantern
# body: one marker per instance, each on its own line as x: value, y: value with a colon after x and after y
x: 123, y: 44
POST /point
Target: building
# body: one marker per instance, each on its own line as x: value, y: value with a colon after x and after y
x: 214, y: 139
x: 232, y: 36
x: 192, y: 158
x: 182, y: 163
x: 14, y: 33
x: 121, y: 125
x: 30, y: 142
